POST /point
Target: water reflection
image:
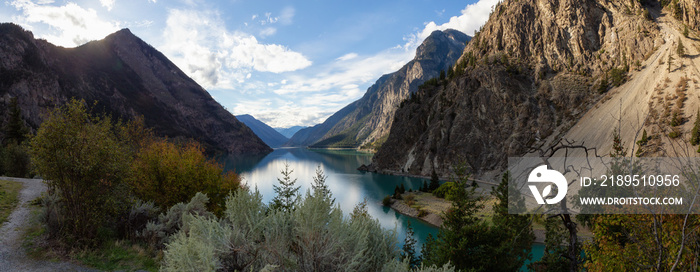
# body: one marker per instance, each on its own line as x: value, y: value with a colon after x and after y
x: 348, y: 185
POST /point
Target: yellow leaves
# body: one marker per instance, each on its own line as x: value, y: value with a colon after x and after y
x: 167, y: 174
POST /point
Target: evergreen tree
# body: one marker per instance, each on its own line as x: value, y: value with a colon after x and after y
x: 514, y: 230
x: 680, y: 50
x: 425, y: 187
x: 15, y: 131
x: 442, y: 75
x: 319, y: 186
x: 463, y: 239
x: 397, y: 192
x: 409, y: 247
x: 434, y: 181
x: 287, y: 193
x: 695, y: 133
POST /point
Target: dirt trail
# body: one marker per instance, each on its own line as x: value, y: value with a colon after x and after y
x: 630, y: 102
x: 12, y: 255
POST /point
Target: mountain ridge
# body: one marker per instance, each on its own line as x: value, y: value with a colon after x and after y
x: 266, y: 133
x: 127, y: 78
x: 368, y: 119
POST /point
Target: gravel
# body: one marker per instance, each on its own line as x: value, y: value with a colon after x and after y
x: 12, y: 256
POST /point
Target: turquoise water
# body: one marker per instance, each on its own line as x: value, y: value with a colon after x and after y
x: 348, y: 185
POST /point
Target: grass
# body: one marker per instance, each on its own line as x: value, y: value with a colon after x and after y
x: 118, y: 255
x: 112, y: 255
x: 9, y: 191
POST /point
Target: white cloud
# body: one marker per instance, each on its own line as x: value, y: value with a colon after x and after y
x: 200, y: 44
x: 152, y: 1
x: 109, y: 4
x: 268, y: 31
x: 347, y: 56
x: 472, y: 18
x: 287, y: 15
x: 70, y: 25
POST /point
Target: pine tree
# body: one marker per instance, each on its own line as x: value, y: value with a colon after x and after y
x: 287, y: 193
x: 15, y: 131
x: 461, y: 224
x: 319, y: 186
x: 434, y: 181
x: 618, y: 150
x: 425, y: 187
x: 409, y: 247
x: 695, y: 133
x: 397, y: 192
x: 402, y: 189
x: 680, y: 50
x: 514, y: 230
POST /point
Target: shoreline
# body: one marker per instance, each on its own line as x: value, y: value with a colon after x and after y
x: 431, y: 218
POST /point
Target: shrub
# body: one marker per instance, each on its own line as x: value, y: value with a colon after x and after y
x: 444, y: 190
x: 410, y: 199
x: 386, y: 201
x: 422, y: 212
x: 166, y: 174
x: 84, y: 163
x: 314, y: 236
x: 14, y: 161
x: 618, y: 76
x: 675, y: 133
x: 157, y: 232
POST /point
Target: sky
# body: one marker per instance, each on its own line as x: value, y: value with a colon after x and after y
x: 286, y: 63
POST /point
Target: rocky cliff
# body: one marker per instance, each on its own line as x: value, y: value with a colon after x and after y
x: 532, y: 70
x: 126, y: 77
x: 369, y: 119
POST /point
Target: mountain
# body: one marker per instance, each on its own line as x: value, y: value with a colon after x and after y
x: 126, y: 77
x: 269, y: 135
x: 367, y: 120
x: 537, y: 71
x: 289, y: 132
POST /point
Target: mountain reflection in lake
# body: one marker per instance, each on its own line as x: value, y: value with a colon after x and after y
x: 348, y: 185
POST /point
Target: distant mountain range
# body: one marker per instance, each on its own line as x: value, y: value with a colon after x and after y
x: 126, y: 77
x: 289, y: 132
x: 269, y: 135
x: 366, y: 122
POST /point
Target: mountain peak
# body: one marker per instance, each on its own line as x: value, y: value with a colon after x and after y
x: 439, y: 43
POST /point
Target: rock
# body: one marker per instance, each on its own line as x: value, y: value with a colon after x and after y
x: 529, y: 74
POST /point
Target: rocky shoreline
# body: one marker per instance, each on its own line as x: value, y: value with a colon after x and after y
x: 431, y: 218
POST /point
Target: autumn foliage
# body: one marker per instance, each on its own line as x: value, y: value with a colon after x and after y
x: 166, y: 173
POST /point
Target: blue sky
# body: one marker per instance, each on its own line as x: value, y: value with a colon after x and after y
x: 286, y: 63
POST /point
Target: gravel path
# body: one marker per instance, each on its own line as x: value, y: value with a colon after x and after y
x: 12, y: 255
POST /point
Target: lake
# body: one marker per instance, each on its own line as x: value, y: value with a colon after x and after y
x: 348, y: 185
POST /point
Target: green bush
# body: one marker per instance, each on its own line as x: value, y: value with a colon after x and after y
x: 157, y: 232
x: 386, y: 201
x: 444, y: 190
x: 674, y: 134
x: 14, y: 160
x: 618, y: 76
x: 314, y: 236
x: 84, y: 162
